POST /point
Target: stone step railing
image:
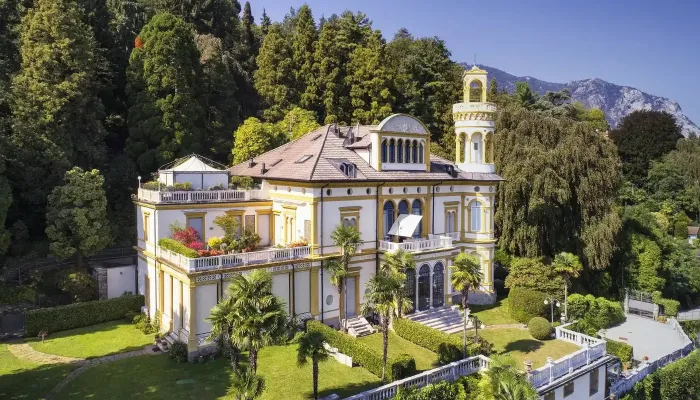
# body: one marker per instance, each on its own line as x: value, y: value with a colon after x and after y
x: 196, y: 196
x: 232, y: 260
x: 432, y: 243
x: 592, y: 349
x: 449, y: 372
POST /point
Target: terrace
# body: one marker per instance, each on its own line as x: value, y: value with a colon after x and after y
x: 196, y: 196
x: 433, y: 242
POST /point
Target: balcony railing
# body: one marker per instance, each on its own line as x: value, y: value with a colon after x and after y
x: 453, y: 235
x: 433, y: 242
x: 232, y: 260
x: 474, y: 107
x: 196, y: 196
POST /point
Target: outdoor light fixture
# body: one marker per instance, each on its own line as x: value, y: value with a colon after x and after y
x: 139, y: 181
x: 552, y: 302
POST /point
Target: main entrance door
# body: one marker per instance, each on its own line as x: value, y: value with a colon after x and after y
x: 351, y: 282
x: 424, y: 287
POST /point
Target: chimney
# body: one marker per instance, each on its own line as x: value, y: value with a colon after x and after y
x: 262, y: 169
x: 250, y: 163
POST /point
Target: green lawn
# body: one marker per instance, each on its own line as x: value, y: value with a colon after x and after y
x: 493, y: 314
x: 93, y: 341
x: 24, y: 380
x: 518, y: 344
x: 425, y: 359
x: 158, y: 377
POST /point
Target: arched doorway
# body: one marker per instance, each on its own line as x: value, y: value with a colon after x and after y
x: 424, y: 287
x: 438, y: 285
x: 411, y: 288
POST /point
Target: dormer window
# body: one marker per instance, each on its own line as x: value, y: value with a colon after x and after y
x: 348, y: 169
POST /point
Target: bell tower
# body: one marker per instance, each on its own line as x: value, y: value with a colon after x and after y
x: 474, y: 124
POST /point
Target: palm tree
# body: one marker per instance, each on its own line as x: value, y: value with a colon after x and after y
x: 337, y: 278
x: 221, y: 318
x: 246, y: 384
x: 466, y: 274
x: 503, y: 381
x: 380, y: 298
x: 348, y: 239
x: 401, y: 261
x: 311, y: 346
x: 569, y: 266
x: 258, y: 315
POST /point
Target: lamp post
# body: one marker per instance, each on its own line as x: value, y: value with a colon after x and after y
x: 139, y: 181
x: 552, y: 301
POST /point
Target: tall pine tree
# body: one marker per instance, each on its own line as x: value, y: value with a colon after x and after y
x: 164, y: 82
x: 303, y: 43
x: 248, y: 48
x: 274, y: 79
x: 57, y: 113
x: 370, y: 82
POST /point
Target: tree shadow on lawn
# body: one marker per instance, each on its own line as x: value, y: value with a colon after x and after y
x: 33, y: 383
x: 475, y: 308
x: 523, y: 345
x: 344, y: 391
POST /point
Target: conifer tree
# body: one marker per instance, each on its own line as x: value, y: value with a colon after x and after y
x: 265, y: 23
x: 303, y: 43
x: 57, y: 114
x: 164, y: 82
x: 246, y: 52
x: 328, y: 67
x: 370, y: 82
x: 5, y: 202
x: 274, y: 79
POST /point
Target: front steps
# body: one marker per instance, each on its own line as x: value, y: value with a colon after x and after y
x: 445, y: 319
x: 358, y: 327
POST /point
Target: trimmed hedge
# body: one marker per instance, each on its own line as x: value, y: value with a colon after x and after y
x: 623, y: 351
x: 540, y: 328
x: 396, y: 368
x: 526, y: 304
x: 670, y: 306
x: 177, y: 247
x: 448, y: 347
x: 79, y: 315
x: 597, y: 312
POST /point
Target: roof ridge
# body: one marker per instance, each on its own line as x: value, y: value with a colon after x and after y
x: 323, y: 145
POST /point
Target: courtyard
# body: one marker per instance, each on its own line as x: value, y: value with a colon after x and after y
x: 647, y: 337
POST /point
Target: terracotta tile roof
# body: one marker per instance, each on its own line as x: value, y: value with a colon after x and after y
x: 316, y: 157
x: 693, y: 230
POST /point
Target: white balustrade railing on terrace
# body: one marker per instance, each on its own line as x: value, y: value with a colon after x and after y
x: 232, y: 260
x: 474, y: 107
x: 592, y: 349
x: 196, y: 196
x: 432, y: 243
x: 453, y: 235
x: 449, y: 372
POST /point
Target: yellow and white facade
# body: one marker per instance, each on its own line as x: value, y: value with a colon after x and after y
x: 370, y: 177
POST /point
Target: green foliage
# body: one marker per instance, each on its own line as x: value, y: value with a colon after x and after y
x: 648, y: 388
x: 623, y: 351
x: 80, y: 285
x: 466, y: 275
x: 533, y: 273
x: 242, y: 182
x: 274, y: 79
x: 296, y: 123
x: 403, y: 366
x: 681, y: 379
x: 577, y: 306
x: 177, y: 247
x: 370, y: 82
x: 77, y: 215
x: 525, y: 304
x: 447, y: 347
x: 360, y: 353
x: 178, y: 351
x: 670, y: 306
x: 505, y: 381
x: 80, y: 314
x: 252, y: 138
x: 540, y: 328
x: 229, y: 223
x: 644, y: 136
x: 5, y: 202
x: 164, y: 83
x: 441, y: 390
x: 596, y: 313
x: 559, y: 190
x: 17, y: 295
x: 246, y: 384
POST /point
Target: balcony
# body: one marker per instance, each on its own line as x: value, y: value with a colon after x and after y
x: 232, y: 260
x: 459, y: 108
x: 197, y: 196
x: 434, y: 242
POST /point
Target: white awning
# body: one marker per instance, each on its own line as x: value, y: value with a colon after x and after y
x: 405, y: 225
x: 192, y: 164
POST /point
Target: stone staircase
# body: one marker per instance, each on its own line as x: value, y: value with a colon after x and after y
x: 358, y: 327
x: 445, y: 319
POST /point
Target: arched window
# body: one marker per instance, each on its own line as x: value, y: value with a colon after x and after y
x: 399, y: 151
x: 411, y: 288
x: 476, y: 217
x: 403, y: 207
x: 477, y: 148
x: 414, y: 158
x: 438, y: 284
x: 417, y: 209
x: 475, y: 91
x: 407, y: 151
x: 420, y: 153
x: 424, y: 287
x: 392, y: 151
x: 388, y: 217
x: 383, y: 150
x: 450, y: 222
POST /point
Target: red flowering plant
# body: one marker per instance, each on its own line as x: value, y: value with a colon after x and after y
x: 209, y: 253
x: 196, y: 245
x: 187, y: 236
x: 138, y: 43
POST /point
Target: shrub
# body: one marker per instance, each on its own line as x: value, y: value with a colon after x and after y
x: 242, y: 182
x: 80, y: 314
x: 603, y: 313
x: 80, y: 285
x: 129, y: 316
x: 17, y: 295
x: 177, y: 247
x: 229, y: 223
x: 178, y: 351
x: 681, y: 379
x: 187, y: 236
x: 360, y: 353
x: 525, y: 304
x: 582, y: 326
x: 539, y: 328
x: 404, y: 366
x: 447, y: 347
x: 623, y: 351
x: 209, y: 253
x: 577, y: 306
x: 215, y: 243
x: 670, y: 306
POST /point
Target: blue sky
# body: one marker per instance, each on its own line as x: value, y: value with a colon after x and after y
x: 651, y: 45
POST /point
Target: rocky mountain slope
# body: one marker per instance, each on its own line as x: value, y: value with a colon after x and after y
x: 617, y: 101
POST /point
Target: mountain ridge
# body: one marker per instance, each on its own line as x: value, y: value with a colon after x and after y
x: 615, y: 100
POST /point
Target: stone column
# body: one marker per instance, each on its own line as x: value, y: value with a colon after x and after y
x: 430, y: 277
x: 415, y: 303
x: 192, y: 347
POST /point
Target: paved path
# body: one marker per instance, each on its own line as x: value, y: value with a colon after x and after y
x: 25, y: 352
x: 506, y: 326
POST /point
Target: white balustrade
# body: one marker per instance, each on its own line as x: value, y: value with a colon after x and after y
x: 474, y: 107
x: 453, y: 235
x: 232, y: 260
x: 197, y: 196
x: 449, y: 372
x: 432, y: 243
